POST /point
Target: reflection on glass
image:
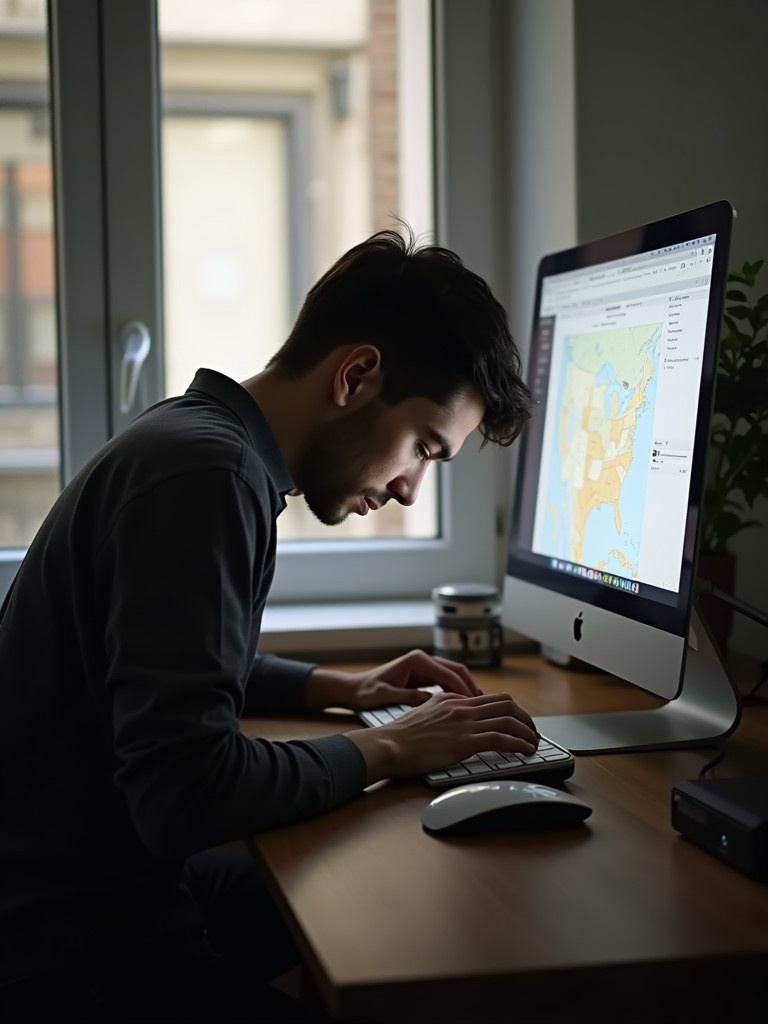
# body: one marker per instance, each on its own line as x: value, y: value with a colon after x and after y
x: 283, y: 146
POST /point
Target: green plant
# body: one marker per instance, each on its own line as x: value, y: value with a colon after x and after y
x: 738, y: 473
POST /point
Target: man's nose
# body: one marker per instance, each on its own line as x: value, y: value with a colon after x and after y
x: 405, y: 487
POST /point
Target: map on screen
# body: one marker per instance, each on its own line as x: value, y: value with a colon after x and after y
x: 617, y: 377
x: 601, y: 448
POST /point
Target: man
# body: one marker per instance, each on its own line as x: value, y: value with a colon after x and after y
x: 128, y: 646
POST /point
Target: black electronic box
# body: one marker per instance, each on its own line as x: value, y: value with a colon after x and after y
x: 727, y: 817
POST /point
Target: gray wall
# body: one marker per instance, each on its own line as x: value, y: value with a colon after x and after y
x: 671, y: 113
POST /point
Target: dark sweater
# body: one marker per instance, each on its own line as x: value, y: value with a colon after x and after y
x: 127, y: 656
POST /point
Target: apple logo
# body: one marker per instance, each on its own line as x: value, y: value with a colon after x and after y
x: 577, y: 624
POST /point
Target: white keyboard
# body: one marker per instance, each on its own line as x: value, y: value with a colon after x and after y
x: 549, y: 764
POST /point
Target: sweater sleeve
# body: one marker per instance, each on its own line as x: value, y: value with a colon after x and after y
x: 276, y: 685
x: 179, y: 651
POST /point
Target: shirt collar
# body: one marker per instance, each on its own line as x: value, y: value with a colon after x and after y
x: 234, y: 396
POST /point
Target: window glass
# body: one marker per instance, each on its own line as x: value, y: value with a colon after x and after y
x: 29, y: 432
x: 288, y: 136
x: 225, y: 239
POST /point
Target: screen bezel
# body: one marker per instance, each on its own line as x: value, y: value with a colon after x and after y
x: 671, y: 611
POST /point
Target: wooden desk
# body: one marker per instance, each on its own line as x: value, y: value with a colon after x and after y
x: 621, y: 920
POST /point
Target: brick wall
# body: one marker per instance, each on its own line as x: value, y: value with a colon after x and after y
x: 383, y: 106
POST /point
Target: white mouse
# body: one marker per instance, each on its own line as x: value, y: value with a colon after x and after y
x: 503, y: 806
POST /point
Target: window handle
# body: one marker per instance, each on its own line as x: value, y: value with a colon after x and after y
x: 135, y: 343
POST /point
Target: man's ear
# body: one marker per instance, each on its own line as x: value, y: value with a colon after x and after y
x: 358, y: 376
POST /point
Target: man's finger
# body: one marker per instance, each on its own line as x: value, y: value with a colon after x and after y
x: 448, y: 674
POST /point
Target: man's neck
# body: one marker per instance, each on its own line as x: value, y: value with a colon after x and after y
x: 289, y: 407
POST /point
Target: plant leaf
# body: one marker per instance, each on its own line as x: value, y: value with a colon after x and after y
x: 737, y: 470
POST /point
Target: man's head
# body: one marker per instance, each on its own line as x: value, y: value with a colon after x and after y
x: 375, y: 451
x: 438, y: 329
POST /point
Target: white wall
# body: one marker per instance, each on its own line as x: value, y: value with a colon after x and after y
x: 507, y: 134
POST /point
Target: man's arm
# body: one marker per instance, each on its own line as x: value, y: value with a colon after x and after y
x: 440, y: 730
x: 177, y: 595
x: 277, y: 686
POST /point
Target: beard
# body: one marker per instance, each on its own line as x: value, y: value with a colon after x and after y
x: 334, y: 463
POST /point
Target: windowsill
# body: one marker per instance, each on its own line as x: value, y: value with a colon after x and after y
x: 355, y: 629
x: 359, y: 630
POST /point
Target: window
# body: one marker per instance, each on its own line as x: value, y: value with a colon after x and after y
x: 29, y: 434
x: 108, y: 137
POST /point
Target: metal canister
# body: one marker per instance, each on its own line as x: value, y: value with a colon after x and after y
x: 468, y: 623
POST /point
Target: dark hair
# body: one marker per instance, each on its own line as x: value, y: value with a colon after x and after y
x: 439, y: 329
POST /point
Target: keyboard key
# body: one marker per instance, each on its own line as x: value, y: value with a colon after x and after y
x: 494, y: 759
x: 384, y: 716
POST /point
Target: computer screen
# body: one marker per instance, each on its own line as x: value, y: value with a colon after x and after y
x: 605, y: 519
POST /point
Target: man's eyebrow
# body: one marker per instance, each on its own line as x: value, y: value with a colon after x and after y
x: 445, y: 449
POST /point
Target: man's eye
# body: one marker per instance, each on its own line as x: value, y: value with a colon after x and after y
x: 423, y: 452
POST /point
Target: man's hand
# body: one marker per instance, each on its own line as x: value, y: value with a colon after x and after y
x: 397, y: 682
x: 444, y: 730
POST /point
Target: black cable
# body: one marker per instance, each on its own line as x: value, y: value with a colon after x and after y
x: 711, y: 764
x: 705, y: 587
x: 752, y: 697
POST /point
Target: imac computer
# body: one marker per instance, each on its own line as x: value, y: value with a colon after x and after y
x: 605, y: 521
